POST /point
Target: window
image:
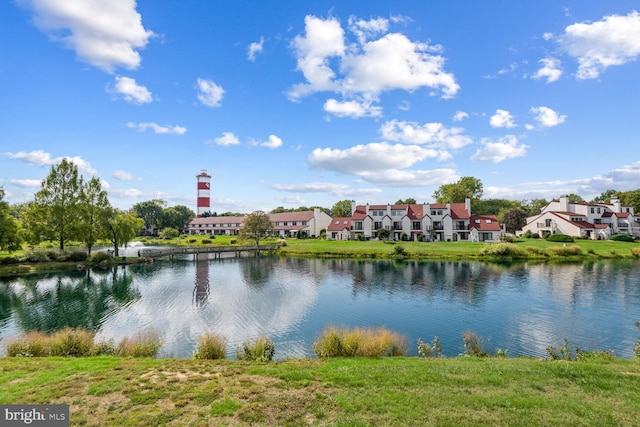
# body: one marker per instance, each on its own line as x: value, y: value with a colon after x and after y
x: 416, y: 225
x: 593, y: 210
x: 397, y: 213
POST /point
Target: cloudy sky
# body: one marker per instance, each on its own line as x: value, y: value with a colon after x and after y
x: 291, y: 103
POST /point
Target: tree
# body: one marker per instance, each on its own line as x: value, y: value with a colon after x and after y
x: 94, y: 209
x: 514, y: 220
x: 10, y: 239
x: 383, y: 233
x: 121, y: 228
x: 533, y: 206
x: 494, y: 206
x: 151, y: 212
x: 466, y: 187
x: 341, y: 209
x: 605, y: 196
x: 407, y: 201
x: 631, y: 198
x: 575, y: 198
x: 175, y: 217
x: 256, y: 225
x: 56, y: 204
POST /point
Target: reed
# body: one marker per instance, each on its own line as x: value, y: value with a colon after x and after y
x: 359, y: 342
x: 211, y: 346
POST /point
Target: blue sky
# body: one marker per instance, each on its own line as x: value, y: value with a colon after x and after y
x: 291, y: 103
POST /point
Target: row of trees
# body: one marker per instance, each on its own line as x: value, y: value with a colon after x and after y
x: 69, y: 209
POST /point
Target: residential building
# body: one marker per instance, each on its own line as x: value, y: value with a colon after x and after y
x: 435, y: 222
x: 285, y: 224
x: 597, y: 221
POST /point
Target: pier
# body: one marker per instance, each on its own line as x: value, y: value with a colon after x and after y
x: 216, y: 250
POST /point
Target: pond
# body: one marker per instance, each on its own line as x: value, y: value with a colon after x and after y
x: 523, y: 308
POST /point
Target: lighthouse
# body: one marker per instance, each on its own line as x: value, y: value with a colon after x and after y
x: 204, y: 192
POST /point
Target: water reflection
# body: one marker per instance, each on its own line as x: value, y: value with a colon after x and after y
x: 523, y: 307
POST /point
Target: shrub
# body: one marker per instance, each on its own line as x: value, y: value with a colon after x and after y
x: 77, y: 256
x: 37, y: 256
x: 211, y: 346
x: 9, y: 260
x: 206, y: 241
x: 71, y: 343
x: 622, y: 238
x: 563, y: 353
x: 564, y: 250
x: 635, y: 252
x: 399, y: 250
x: 404, y: 236
x: 336, y: 342
x: 502, y: 250
x: 261, y: 350
x: 192, y: 240
x: 430, y: 350
x: 282, y: 242
x: 98, y: 257
x: 34, y: 344
x: 559, y: 238
x: 473, y: 344
x: 233, y: 241
x: 103, y: 348
x: 420, y: 237
x: 141, y: 345
x: 536, y: 251
x: 169, y: 233
x: 507, y: 238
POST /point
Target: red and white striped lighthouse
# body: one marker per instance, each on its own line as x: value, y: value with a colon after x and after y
x: 204, y: 191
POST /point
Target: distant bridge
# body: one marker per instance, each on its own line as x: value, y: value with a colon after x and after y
x: 216, y: 250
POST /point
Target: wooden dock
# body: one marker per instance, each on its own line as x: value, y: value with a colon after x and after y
x: 216, y: 250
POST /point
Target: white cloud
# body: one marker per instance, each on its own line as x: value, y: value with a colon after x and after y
x: 292, y: 200
x: 121, y: 175
x: 500, y: 150
x: 131, y: 91
x: 615, y: 40
x: 105, y: 34
x: 42, y: 158
x: 411, y: 178
x: 432, y: 134
x: 227, y: 139
x: 128, y: 193
x: 311, y: 187
x: 502, y: 119
x: 367, y: 67
x: 26, y: 183
x: 352, y: 109
x: 167, y: 129
x: 255, y: 48
x: 210, y: 94
x: 460, y: 116
x: 273, y: 142
x: 551, y: 70
x: 373, y: 157
x: 546, y: 117
x: 364, y: 30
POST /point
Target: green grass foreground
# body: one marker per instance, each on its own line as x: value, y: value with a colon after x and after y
x: 463, y: 391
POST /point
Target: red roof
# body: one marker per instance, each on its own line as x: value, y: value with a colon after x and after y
x: 339, y: 224
x: 484, y: 223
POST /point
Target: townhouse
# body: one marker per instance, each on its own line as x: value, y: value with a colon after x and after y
x: 430, y: 222
x: 597, y: 221
x: 284, y: 224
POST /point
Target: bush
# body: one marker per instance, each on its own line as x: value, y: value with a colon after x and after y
x: 206, y: 241
x: 282, y: 242
x: 507, y: 238
x: 34, y: 344
x: 559, y: 238
x: 77, y: 256
x: 211, y: 346
x: 565, y: 250
x: 473, y: 344
x: 502, y: 250
x: 141, y: 345
x: 71, y: 343
x: 261, y: 350
x: 420, y: 237
x: 536, y: 251
x: 233, y: 241
x: 634, y: 251
x: 98, y: 257
x: 103, y: 348
x: 192, y: 240
x: 399, y: 250
x: 622, y: 238
x: 169, y: 233
x: 9, y: 260
x: 430, y: 350
x: 336, y: 342
x: 37, y: 256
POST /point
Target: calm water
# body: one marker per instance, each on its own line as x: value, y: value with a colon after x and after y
x: 523, y: 308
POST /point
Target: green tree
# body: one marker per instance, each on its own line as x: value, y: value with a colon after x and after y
x: 94, y: 210
x: 341, y: 209
x: 467, y: 186
x: 56, y: 204
x: 383, y: 233
x: 407, y: 201
x: 151, y: 213
x: 575, y: 198
x: 631, y: 198
x: 255, y: 226
x: 10, y: 239
x: 121, y: 228
x: 605, y: 196
x: 514, y: 220
x: 534, y: 206
x: 494, y: 206
x: 176, y: 217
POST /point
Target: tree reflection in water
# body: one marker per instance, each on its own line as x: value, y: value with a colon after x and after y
x: 81, y: 299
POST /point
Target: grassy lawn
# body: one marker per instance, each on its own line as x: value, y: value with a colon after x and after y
x: 464, y: 391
